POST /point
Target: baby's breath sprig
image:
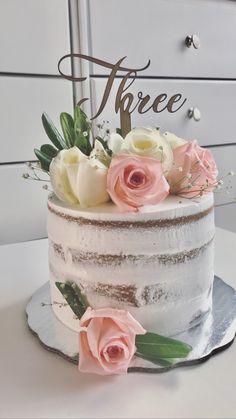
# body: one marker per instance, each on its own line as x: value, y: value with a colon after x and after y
x: 60, y: 305
x: 104, y: 130
x: 201, y: 189
x: 33, y: 175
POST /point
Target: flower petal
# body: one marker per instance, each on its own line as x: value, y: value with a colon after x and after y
x: 91, y: 185
x: 115, y: 142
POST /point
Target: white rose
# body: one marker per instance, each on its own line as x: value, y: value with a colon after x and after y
x: 76, y: 178
x: 173, y: 140
x: 151, y: 143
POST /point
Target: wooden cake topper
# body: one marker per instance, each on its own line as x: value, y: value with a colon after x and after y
x: 124, y: 102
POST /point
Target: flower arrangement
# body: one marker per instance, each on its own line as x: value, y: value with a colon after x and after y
x: 141, y: 169
x: 110, y: 339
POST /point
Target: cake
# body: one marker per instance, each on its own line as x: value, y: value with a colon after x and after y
x: 157, y: 264
x: 131, y: 240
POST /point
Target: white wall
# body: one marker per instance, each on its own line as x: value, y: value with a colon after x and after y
x: 33, y: 37
x: 157, y: 29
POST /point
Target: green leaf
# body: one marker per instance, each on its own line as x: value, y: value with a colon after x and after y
x: 73, y: 296
x: 49, y: 150
x: 82, y: 143
x: 158, y: 361
x: 67, y: 125
x: 81, y: 127
x: 52, y: 132
x: 118, y: 131
x: 44, y: 159
x: 155, y: 346
x: 81, y: 123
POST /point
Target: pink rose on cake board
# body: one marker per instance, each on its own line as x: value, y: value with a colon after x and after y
x: 134, y: 181
x: 107, y: 341
x: 194, y: 171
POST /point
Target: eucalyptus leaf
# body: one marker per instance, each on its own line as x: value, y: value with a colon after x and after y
x: 158, y: 361
x: 52, y: 133
x: 82, y: 128
x: 82, y: 143
x: 49, y: 150
x: 44, y: 159
x: 155, y: 346
x: 73, y: 296
x: 67, y: 125
x: 81, y: 123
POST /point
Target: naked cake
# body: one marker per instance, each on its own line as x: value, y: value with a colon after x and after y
x: 131, y: 240
x: 156, y: 264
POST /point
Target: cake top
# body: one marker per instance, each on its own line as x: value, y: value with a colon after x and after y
x: 137, y: 173
x: 170, y: 208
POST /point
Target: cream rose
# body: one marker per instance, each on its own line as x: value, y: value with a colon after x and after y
x: 149, y: 142
x: 173, y: 140
x: 76, y: 178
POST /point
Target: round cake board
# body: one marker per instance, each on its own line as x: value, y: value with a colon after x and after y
x: 216, y: 332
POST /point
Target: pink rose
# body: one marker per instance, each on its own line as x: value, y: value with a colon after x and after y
x: 107, y: 344
x: 194, y: 171
x: 134, y: 181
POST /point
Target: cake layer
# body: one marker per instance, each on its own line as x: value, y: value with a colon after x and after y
x: 157, y: 263
x: 174, y: 227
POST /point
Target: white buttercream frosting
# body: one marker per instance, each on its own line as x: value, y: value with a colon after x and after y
x: 156, y: 263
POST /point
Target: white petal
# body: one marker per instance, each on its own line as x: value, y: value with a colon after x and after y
x: 72, y: 173
x: 140, y: 131
x: 173, y: 140
x: 115, y: 142
x: 91, y: 185
x: 72, y: 155
x: 63, y: 173
x: 99, y: 156
x: 166, y: 153
x: 60, y: 182
x: 149, y: 142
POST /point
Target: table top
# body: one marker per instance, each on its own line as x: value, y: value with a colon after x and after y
x: 35, y: 383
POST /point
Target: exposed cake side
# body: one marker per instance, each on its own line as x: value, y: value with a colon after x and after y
x: 157, y: 263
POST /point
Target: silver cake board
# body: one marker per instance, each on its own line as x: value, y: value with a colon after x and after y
x: 215, y: 333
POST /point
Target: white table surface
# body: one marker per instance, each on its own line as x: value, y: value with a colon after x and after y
x: 35, y: 383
